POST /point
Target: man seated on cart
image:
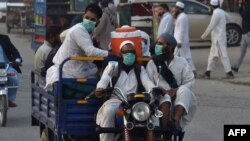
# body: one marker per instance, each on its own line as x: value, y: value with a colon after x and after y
x: 78, y: 43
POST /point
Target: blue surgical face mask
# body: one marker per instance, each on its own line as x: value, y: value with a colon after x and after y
x: 128, y: 59
x: 158, y: 49
x: 88, y: 24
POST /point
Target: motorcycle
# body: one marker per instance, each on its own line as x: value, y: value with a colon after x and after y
x: 136, y: 116
x: 4, y: 89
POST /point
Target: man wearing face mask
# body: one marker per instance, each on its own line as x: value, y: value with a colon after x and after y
x: 131, y: 79
x: 217, y: 27
x: 167, y: 21
x: 181, y: 34
x: 78, y: 43
x: 174, y: 76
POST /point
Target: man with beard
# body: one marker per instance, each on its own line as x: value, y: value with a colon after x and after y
x: 175, y: 78
x: 131, y: 79
x: 217, y: 27
x: 52, y: 41
x: 167, y: 21
x: 244, y: 10
x: 181, y: 34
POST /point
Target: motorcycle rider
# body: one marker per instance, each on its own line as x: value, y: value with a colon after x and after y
x: 128, y: 81
x: 10, y: 54
x: 175, y: 77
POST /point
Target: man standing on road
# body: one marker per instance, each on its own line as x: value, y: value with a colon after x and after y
x: 244, y: 10
x: 217, y: 27
x: 181, y: 34
x: 167, y: 21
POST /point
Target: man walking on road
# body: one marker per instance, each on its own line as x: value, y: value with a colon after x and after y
x: 167, y: 21
x: 181, y: 34
x: 217, y: 27
x: 244, y: 10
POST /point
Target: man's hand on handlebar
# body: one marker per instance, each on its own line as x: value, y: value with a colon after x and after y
x: 158, y: 91
x: 100, y: 92
x: 172, y: 92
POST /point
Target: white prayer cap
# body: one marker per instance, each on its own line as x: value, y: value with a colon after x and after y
x: 125, y: 26
x: 179, y: 4
x: 126, y: 42
x: 214, y: 2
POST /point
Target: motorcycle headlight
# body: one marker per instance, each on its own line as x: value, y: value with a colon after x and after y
x: 3, y: 72
x: 141, y: 111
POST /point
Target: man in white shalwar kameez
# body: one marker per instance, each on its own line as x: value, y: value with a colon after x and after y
x: 179, y: 88
x: 167, y: 21
x: 217, y: 27
x: 77, y: 43
x: 181, y: 34
x: 128, y: 83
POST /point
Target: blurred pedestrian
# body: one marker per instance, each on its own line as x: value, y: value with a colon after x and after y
x: 51, y: 41
x: 166, y: 20
x: 107, y: 24
x: 244, y: 10
x: 217, y: 27
x: 181, y: 34
x: 145, y: 44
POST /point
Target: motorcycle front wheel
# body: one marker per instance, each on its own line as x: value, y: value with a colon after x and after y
x: 3, y: 110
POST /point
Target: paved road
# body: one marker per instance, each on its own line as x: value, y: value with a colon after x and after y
x: 219, y: 102
x: 18, y: 122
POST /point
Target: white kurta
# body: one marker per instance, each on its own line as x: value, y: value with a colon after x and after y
x: 127, y: 82
x: 166, y: 24
x: 217, y: 27
x: 185, y: 80
x: 77, y: 43
x: 181, y: 34
x: 41, y: 56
